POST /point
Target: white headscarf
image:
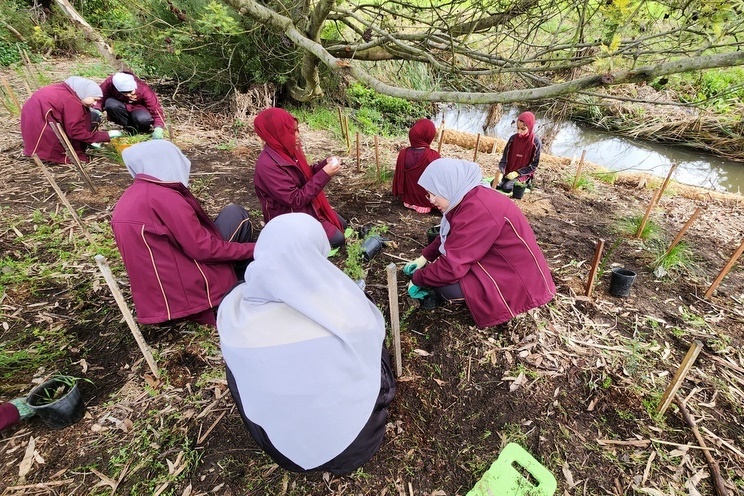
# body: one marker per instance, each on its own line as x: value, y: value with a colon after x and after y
x: 158, y: 158
x: 124, y: 82
x: 451, y: 179
x: 303, y: 343
x: 83, y: 87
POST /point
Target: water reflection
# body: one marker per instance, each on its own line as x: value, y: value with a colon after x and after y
x: 613, y: 152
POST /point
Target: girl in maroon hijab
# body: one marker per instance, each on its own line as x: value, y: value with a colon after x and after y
x: 285, y: 182
x: 521, y: 154
x: 412, y: 162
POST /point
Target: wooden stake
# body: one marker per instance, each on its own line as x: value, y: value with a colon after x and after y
x: 725, y: 270
x: 718, y: 481
x: 377, y: 157
x: 392, y: 281
x: 578, y: 170
x: 595, y: 264
x: 114, y: 287
x: 493, y: 148
x: 683, y: 230
x: 654, y: 201
x: 70, y: 151
x: 341, y: 123
x: 11, y: 94
x: 687, y: 362
x: 441, y: 139
x: 357, y: 153
x: 62, y: 197
x: 477, y: 142
x: 346, y: 132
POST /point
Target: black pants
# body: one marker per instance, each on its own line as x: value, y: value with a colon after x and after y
x: 338, y: 238
x: 359, y: 452
x: 139, y: 119
x: 235, y: 225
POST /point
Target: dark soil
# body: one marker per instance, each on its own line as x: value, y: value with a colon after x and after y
x: 575, y: 382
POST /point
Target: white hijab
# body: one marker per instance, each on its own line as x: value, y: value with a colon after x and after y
x: 303, y: 343
x: 83, y: 87
x: 158, y: 158
x: 451, y: 179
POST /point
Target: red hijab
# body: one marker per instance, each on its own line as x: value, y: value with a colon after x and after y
x: 277, y: 128
x: 522, y: 147
x: 412, y: 163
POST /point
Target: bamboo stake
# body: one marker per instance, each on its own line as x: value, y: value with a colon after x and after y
x: 441, y: 139
x: 595, y: 264
x: 346, y: 132
x: 11, y: 93
x: 718, y: 481
x: 655, y: 200
x: 493, y: 148
x: 62, y: 197
x: 475, y: 153
x: 341, y: 123
x: 578, y: 170
x: 725, y: 270
x: 113, y: 286
x: 377, y: 156
x: 687, y: 362
x: 392, y: 281
x: 70, y: 151
x: 357, y: 153
x: 683, y: 230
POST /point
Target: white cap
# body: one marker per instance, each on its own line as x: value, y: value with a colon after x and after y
x: 124, y: 82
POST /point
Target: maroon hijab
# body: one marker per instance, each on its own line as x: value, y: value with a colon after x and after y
x: 277, y: 128
x: 522, y: 147
x: 412, y: 163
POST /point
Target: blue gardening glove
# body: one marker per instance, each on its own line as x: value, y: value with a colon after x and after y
x: 412, y: 267
x: 157, y: 133
x: 416, y: 292
x: 512, y: 175
x: 24, y: 410
x: 114, y: 133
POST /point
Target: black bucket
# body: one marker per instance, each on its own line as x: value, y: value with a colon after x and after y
x: 372, y: 246
x: 518, y: 191
x: 66, y: 406
x: 621, y: 281
x: 432, y: 233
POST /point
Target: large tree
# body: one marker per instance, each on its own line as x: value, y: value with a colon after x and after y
x: 539, y: 48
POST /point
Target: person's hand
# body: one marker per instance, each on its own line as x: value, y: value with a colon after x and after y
x: 24, y: 411
x: 114, y: 133
x: 512, y: 175
x: 97, y: 114
x: 332, y: 166
x: 412, y: 267
x: 416, y: 292
x: 157, y: 133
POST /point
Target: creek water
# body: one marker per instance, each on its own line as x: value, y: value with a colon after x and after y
x: 610, y: 151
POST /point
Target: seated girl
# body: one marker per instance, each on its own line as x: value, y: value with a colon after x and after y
x: 304, y: 348
x: 412, y: 162
x: 486, y: 253
x: 521, y: 154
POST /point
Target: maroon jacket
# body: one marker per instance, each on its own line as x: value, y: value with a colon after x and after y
x: 177, y: 262
x: 146, y: 99
x: 57, y: 103
x: 281, y: 187
x: 493, y: 254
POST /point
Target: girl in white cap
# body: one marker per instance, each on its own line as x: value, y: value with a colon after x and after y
x: 129, y: 102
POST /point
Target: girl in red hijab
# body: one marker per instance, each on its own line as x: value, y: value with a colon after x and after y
x: 285, y: 182
x: 412, y: 162
x: 521, y: 154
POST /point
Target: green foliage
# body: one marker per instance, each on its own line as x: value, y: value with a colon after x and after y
x: 9, y: 52
x: 583, y: 183
x: 628, y: 227
x: 678, y: 259
x: 321, y: 117
x: 606, y: 177
x: 354, y: 257
x: 381, y: 114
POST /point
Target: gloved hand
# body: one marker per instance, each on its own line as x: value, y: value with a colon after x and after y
x: 416, y: 292
x: 412, y: 267
x: 114, y: 133
x: 512, y: 175
x: 157, y: 133
x: 24, y: 410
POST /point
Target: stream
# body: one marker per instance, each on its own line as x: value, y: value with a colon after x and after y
x: 612, y: 152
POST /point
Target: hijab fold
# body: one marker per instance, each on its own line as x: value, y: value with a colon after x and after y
x: 160, y: 159
x: 277, y: 128
x: 83, y: 87
x: 303, y: 343
x: 451, y: 179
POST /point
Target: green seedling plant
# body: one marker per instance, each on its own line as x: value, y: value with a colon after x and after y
x: 65, y: 385
x: 671, y: 262
x: 628, y: 226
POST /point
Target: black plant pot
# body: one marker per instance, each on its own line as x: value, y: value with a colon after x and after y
x: 432, y: 233
x: 66, y: 407
x: 518, y: 191
x: 372, y: 246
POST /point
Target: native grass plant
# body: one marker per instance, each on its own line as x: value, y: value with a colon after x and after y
x: 628, y: 227
x: 607, y: 177
x: 584, y: 182
x: 672, y: 262
x: 65, y: 384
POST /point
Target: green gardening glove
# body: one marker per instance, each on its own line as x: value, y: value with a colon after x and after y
x: 417, y: 292
x: 512, y: 175
x: 412, y: 267
x: 24, y: 410
x: 157, y: 133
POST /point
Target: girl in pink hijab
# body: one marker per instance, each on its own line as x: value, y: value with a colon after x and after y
x: 521, y: 154
x: 412, y: 162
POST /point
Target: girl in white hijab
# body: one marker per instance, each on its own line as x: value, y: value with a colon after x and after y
x: 304, y: 351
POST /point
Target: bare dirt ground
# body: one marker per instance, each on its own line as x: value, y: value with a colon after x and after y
x: 576, y: 382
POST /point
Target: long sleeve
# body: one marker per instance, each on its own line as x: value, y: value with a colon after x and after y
x: 76, y: 122
x: 534, y: 162
x: 283, y: 185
